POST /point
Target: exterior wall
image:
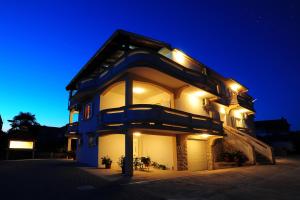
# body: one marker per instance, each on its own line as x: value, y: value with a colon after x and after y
x: 160, y: 149
x: 163, y: 99
x: 86, y: 153
x: 112, y: 145
x: 111, y: 100
x: 191, y: 104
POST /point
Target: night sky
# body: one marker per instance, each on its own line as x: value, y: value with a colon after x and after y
x: 43, y: 44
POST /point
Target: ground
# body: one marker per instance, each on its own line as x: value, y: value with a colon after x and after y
x: 64, y: 179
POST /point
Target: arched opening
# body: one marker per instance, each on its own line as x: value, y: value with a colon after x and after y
x: 113, y: 96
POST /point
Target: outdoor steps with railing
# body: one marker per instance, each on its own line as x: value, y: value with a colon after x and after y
x: 258, y: 146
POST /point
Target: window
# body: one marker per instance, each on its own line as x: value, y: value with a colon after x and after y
x: 88, y: 111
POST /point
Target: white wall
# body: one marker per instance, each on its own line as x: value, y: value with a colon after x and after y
x: 111, y: 100
x: 113, y: 146
x: 191, y: 104
x: 161, y: 149
x: 163, y: 99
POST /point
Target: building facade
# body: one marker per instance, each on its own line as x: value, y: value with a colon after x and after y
x: 141, y: 97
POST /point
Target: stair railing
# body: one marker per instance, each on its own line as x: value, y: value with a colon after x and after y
x: 258, y: 145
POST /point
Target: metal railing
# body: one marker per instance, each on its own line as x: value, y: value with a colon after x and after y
x: 157, y: 117
x: 72, y: 128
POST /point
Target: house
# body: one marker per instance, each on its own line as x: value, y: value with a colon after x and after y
x: 36, y: 142
x: 276, y: 133
x: 141, y: 97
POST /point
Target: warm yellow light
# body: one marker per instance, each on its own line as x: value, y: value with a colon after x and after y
x: 178, y: 56
x: 13, y: 144
x: 222, y: 110
x: 199, y: 93
x: 137, y: 134
x: 235, y: 87
x: 138, y: 90
x: 204, y: 136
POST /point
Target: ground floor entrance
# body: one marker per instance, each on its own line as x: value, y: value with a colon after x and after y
x: 162, y: 149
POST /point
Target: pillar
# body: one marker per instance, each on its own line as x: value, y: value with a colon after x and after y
x: 128, y: 133
x: 181, y: 147
x: 128, y: 153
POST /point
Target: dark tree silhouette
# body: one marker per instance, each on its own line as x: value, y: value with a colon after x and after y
x: 23, y: 121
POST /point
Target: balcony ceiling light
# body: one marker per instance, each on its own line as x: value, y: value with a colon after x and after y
x: 235, y: 87
x: 138, y: 90
x: 137, y: 134
x: 179, y: 56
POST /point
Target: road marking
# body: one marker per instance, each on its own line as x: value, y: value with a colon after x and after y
x: 85, y: 187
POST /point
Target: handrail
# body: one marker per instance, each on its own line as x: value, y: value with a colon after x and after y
x: 161, y: 115
x: 143, y: 106
x: 257, y: 144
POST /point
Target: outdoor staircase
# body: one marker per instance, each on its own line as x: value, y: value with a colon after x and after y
x: 256, y: 150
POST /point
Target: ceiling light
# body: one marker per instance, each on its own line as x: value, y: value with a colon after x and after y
x: 137, y: 134
x: 235, y: 87
x: 138, y: 90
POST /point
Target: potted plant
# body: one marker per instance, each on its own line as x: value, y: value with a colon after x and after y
x: 121, y: 164
x: 106, y: 161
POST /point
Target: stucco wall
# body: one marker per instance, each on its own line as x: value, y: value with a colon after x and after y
x: 163, y: 99
x: 113, y: 146
x: 85, y: 153
x: 189, y: 103
x: 161, y: 149
x: 111, y: 100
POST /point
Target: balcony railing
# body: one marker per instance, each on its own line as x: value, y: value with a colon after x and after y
x: 245, y: 101
x: 157, y: 117
x: 72, y: 128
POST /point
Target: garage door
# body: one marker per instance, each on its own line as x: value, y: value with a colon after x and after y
x: 197, y: 158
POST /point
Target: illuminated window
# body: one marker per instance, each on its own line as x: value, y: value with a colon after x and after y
x: 13, y: 144
x: 88, y: 111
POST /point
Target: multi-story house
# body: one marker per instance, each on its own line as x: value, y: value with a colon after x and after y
x: 141, y: 97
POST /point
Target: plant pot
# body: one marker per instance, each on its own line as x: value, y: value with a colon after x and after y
x: 107, y: 166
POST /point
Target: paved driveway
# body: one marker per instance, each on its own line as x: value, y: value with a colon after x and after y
x: 62, y: 179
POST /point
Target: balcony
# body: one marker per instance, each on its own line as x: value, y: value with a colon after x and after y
x: 72, y: 128
x: 157, y: 117
x: 245, y: 101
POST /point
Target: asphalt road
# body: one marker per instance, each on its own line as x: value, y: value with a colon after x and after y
x: 63, y: 179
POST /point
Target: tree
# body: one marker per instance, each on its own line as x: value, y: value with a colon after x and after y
x: 23, y: 121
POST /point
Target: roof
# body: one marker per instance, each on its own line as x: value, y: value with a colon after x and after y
x: 118, y: 38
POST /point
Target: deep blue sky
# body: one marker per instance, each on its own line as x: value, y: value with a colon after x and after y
x: 43, y: 44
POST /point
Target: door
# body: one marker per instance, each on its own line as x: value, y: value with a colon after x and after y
x: 197, y: 157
